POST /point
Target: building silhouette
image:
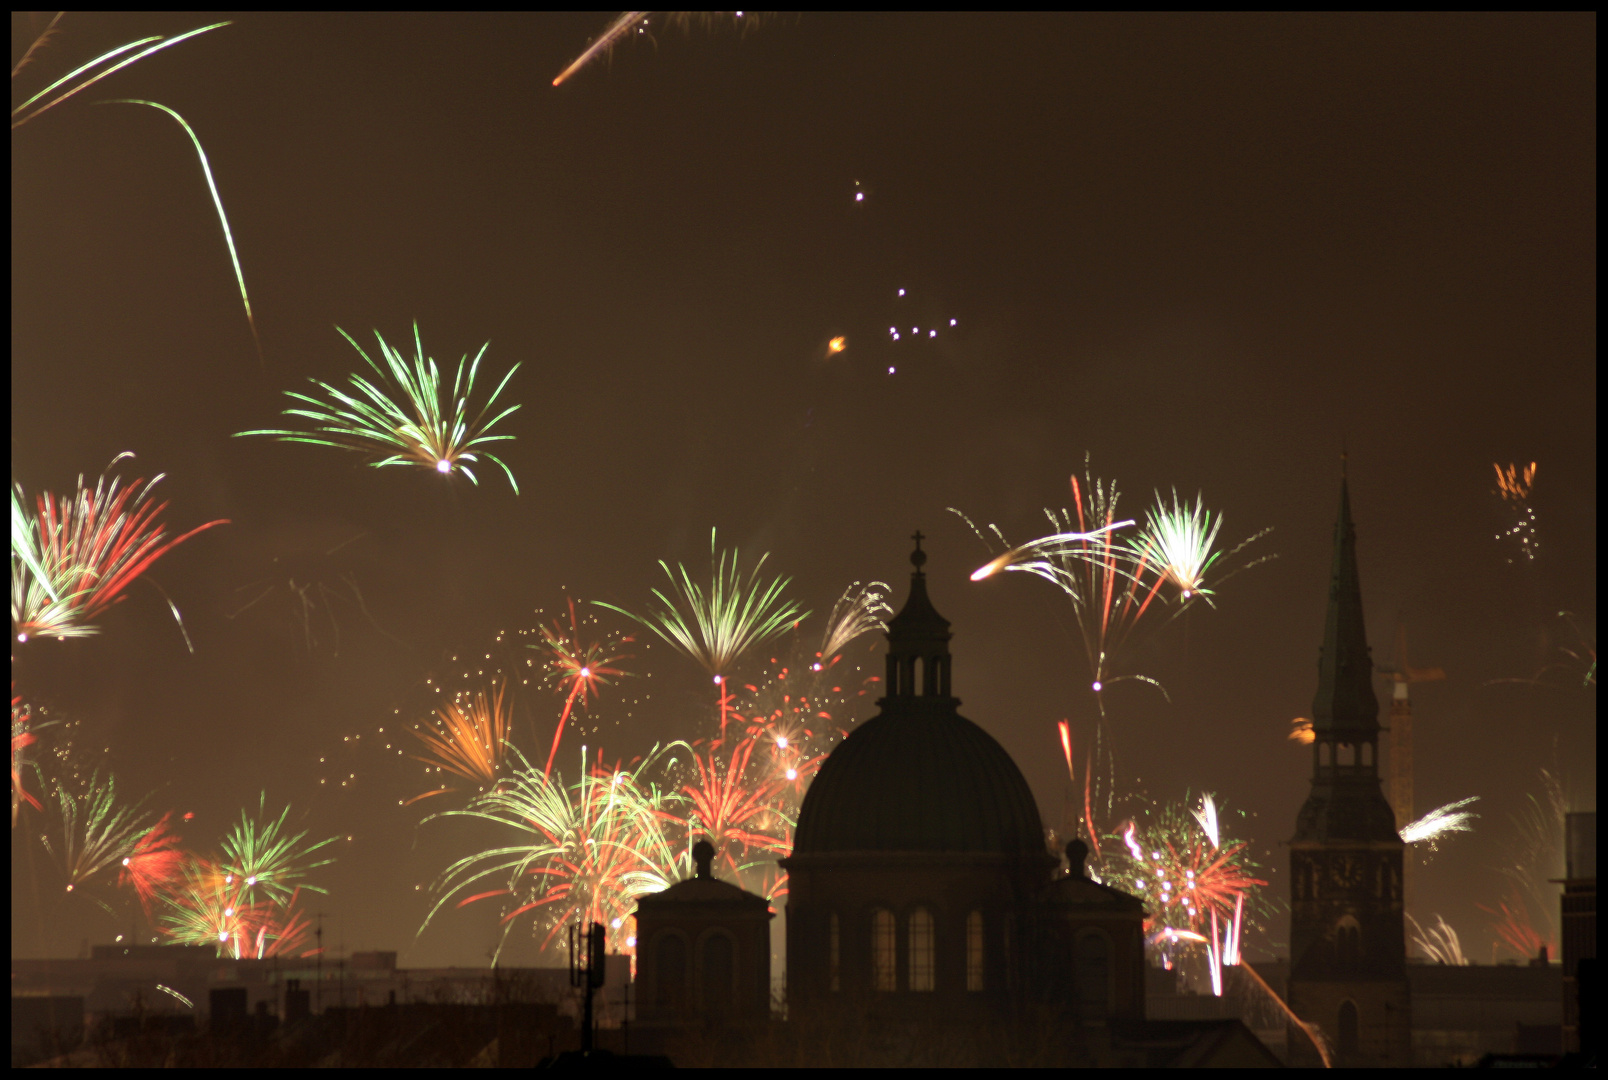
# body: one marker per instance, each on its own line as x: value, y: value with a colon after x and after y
x: 1348, y: 954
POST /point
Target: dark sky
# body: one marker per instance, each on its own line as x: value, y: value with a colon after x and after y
x: 1209, y: 251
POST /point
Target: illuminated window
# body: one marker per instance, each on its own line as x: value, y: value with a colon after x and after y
x: 974, y: 951
x: 834, y: 948
x: 921, y: 949
x: 884, y: 950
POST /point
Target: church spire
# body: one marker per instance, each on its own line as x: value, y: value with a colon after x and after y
x: 1345, y: 708
x: 918, y: 642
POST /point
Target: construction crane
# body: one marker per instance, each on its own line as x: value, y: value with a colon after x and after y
x: 1401, y: 742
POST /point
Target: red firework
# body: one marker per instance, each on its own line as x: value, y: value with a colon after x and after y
x: 576, y: 669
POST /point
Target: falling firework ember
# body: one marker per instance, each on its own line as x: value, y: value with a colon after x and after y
x: 1513, y: 488
x: 409, y: 418
x: 76, y: 556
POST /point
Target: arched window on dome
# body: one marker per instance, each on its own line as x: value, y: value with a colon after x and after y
x: 921, y: 949
x: 884, y: 951
x: 1091, y: 965
x: 835, y: 954
x: 974, y: 951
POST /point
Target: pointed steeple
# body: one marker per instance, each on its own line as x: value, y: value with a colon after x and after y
x: 1345, y: 704
x: 918, y: 643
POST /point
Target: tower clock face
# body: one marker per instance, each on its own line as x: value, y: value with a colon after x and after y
x: 1345, y: 871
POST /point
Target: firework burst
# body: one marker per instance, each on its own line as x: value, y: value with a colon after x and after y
x: 576, y: 669
x: 1113, y: 582
x: 860, y: 610
x: 586, y: 850
x: 718, y: 625
x: 1179, y: 542
x: 76, y: 556
x: 1440, y: 823
x: 1082, y: 557
x: 260, y: 855
x: 728, y: 807
x: 206, y: 905
x: 468, y: 740
x: 96, y: 832
x: 1513, y: 486
x: 154, y: 863
x: 409, y: 417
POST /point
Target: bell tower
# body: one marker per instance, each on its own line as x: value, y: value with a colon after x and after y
x: 1348, y: 953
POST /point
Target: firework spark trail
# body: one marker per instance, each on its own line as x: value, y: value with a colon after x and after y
x: 409, y: 416
x: 28, y: 110
x: 1440, y: 822
x: 470, y: 741
x: 1514, y: 928
x: 263, y: 855
x: 628, y: 21
x: 576, y: 669
x: 1536, y: 859
x: 1439, y: 942
x: 720, y: 625
x: 78, y: 555
x: 95, y: 831
x: 1309, y: 1030
x: 587, y: 850
x: 861, y: 609
x: 154, y: 863
x: 1082, y: 558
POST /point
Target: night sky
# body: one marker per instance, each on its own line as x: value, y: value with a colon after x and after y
x: 1210, y: 252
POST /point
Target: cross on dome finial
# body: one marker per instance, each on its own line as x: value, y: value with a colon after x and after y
x: 918, y: 557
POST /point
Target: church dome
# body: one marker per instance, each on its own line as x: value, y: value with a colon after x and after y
x: 910, y: 782
x: 919, y: 776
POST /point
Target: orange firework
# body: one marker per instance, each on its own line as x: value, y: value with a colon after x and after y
x: 468, y: 741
